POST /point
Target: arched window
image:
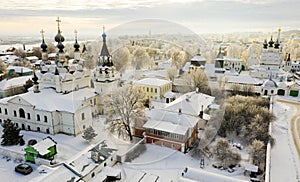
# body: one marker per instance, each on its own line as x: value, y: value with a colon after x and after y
x: 21, y: 113
x: 45, y: 119
x: 38, y: 117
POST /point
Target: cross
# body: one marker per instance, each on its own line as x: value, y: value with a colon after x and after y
x: 58, y: 21
x: 103, y: 29
x: 75, y: 31
x: 42, y: 32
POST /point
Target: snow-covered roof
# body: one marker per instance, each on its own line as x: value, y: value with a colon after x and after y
x: 83, y: 163
x: 198, y: 57
x: 61, y: 173
x: 250, y: 167
x: 244, y: 80
x: 19, y: 69
x: 166, y: 126
x: 231, y: 59
x: 43, y: 146
x: 169, y: 95
x: 50, y: 100
x: 186, y: 67
x: 31, y: 58
x: 152, y: 82
x: 14, y: 82
x: 202, y: 175
x: 190, y: 103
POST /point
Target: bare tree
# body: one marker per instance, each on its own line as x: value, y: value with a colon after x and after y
x: 197, y: 79
x: 257, y: 152
x: 121, y: 58
x: 172, y: 73
x: 124, y: 109
x: 20, y: 53
x: 89, y: 133
x: 222, y: 152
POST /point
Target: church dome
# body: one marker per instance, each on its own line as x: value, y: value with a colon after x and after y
x: 270, y: 83
x: 60, y: 46
x: 59, y: 37
x: 76, y: 46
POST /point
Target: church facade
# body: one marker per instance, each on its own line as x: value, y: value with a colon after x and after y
x: 62, y: 99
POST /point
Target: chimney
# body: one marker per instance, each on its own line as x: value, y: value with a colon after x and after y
x: 201, y: 112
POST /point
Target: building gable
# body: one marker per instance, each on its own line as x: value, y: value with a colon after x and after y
x: 20, y: 101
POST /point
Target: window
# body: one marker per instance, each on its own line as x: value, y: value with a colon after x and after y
x: 0, y: 121
x: 91, y: 102
x: 47, y: 131
x: 147, y: 89
x: 15, y: 113
x: 45, y: 119
x: 22, y: 113
x: 28, y: 115
x: 0, y: 110
x: 94, y: 101
x: 82, y: 116
x: 28, y: 127
x: 17, y: 125
x: 155, y: 90
x: 151, y: 89
x: 38, y: 117
x: 38, y: 129
x: 83, y: 126
x: 5, y: 111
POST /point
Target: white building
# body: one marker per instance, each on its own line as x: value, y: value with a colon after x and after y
x: 105, y: 76
x: 51, y: 112
x: 63, y: 101
x: 270, y: 60
x: 234, y: 64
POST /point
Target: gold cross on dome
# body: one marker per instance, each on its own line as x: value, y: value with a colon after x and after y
x: 103, y: 29
x: 58, y: 21
x: 75, y: 31
x: 42, y: 32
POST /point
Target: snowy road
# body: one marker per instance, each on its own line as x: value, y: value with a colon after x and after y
x: 285, y: 163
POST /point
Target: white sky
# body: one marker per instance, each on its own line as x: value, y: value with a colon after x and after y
x: 202, y: 16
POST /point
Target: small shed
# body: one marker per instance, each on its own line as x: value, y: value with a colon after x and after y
x: 250, y: 169
x: 45, y: 149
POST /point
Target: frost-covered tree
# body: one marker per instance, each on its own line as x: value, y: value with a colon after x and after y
x: 89, y: 133
x: 121, y: 57
x: 197, y: 79
x: 10, y: 134
x: 172, y: 73
x: 223, y: 152
x: 257, y: 151
x: 125, y: 109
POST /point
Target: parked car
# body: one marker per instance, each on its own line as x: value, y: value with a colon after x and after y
x: 23, y: 168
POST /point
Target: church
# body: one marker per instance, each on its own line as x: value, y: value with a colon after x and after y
x: 62, y: 99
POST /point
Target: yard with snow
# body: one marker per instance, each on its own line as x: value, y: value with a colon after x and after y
x: 159, y: 162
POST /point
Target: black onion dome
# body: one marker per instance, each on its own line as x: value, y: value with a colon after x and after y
x: 265, y: 44
x: 276, y: 45
x: 60, y: 46
x: 76, y: 46
x: 59, y: 37
x: 271, y: 42
x: 44, y: 46
x: 35, y: 79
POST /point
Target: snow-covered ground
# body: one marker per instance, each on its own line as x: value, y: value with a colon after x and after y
x: 167, y: 165
x: 68, y: 147
x: 285, y: 165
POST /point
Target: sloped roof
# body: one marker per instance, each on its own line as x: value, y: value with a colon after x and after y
x: 43, y: 146
x: 14, y: 82
x: 49, y: 100
x: 198, y: 57
x: 152, y: 82
x: 190, y: 103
